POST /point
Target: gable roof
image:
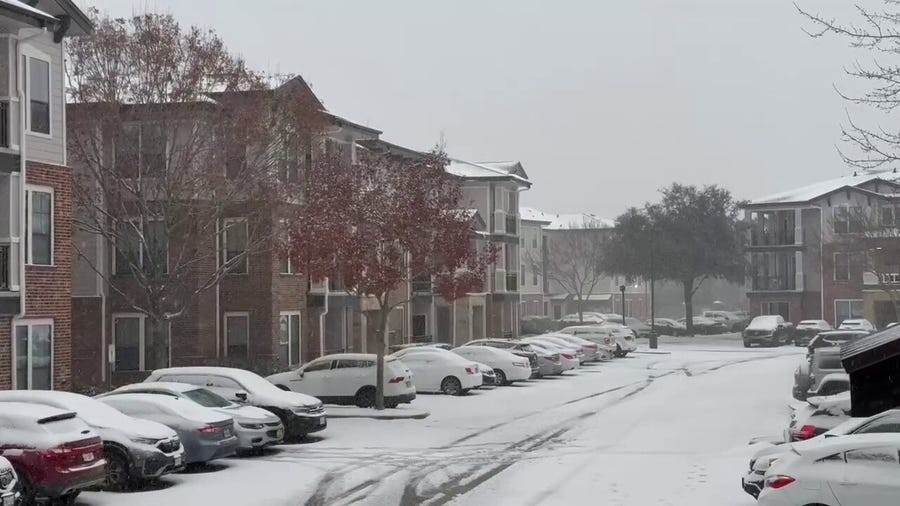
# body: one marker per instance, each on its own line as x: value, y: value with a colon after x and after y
x: 508, y: 166
x: 497, y: 171
x: 576, y: 221
x: 530, y: 214
x: 815, y: 191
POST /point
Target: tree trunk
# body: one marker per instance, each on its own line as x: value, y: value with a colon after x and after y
x: 688, y: 285
x: 383, y: 315
x: 158, y: 344
x: 580, y: 308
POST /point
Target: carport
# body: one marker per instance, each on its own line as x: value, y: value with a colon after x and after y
x: 874, y: 367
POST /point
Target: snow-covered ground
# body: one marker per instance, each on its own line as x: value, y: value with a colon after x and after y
x: 664, y: 428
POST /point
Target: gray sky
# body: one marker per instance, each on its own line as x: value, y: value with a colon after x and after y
x: 602, y: 102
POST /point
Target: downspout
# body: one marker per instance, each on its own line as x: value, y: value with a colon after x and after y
x: 218, y: 292
x: 322, y: 322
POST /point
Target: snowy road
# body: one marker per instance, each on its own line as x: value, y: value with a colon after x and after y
x: 650, y: 429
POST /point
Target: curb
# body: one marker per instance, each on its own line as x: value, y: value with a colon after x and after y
x: 377, y: 416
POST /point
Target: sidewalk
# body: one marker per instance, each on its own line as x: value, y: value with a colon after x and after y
x: 398, y: 413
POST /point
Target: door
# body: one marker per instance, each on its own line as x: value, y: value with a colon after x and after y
x: 477, y: 322
x: 348, y: 376
x: 312, y: 379
x: 443, y: 324
x: 422, y: 372
x: 869, y: 476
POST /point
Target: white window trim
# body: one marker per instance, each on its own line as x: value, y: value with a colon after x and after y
x: 30, y: 52
x: 226, y: 224
x: 235, y: 314
x: 289, y: 314
x: 115, y: 266
x: 834, y: 218
x: 30, y: 323
x: 849, y: 307
x: 29, y: 189
x: 142, y: 339
x: 834, y: 266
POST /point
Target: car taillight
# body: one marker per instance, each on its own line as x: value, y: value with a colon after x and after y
x: 805, y: 432
x: 553, y: 358
x: 398, y: 379
x: 209, y: 429
x: 567, y: 356
x: 57, y: 455
x: 779, y: 481
x: 470, y: 370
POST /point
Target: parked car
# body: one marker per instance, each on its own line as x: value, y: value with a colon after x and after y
x: 488, y: 376
x: 515, y: 347
x: 806, y: 330
x: 857, y: 324
x: 729, y: 319
x: 801, y: 381
x: 299, y: 413
x: 255, y: 427
x: 847, y: 470
x: 767, y: 330
x: 205, y: 434
x: 586, y: 317
x: 567, y: 358
x: 668, y: 327
x: 706, y: 326
x: 567, y: 347
x: 834, y: 338
x: 625, y: 342
x: 831, y: 384
x: 136, y: 450
x: 602, y: 336
x: 590, y: 350
x: 53, y: 453
x: 885, y: 422
x: 349, y: 379
x: 825, y: 361
x: 818, y: 416
x: 508, y: 368
x: 9, y: 483
x: 549, y: 362
x: 398, y: 347
x: 441, y: 371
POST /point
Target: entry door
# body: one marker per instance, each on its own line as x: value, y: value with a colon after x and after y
x: 443, y: 324
x: 477, y: 322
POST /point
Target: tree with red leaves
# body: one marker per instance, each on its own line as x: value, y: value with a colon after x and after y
x: 381, y: 223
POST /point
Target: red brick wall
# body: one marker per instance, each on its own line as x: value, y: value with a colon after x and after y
x: 87, y: 348
x: 837, y: 290
x: 5, y: 353
x: 48, y: 290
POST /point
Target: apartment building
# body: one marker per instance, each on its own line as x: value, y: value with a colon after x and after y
x: 35, y: 194
x: 534, y: 301
x: 809, y: 249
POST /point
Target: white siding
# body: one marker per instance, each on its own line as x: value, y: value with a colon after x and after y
x: 40, y: 148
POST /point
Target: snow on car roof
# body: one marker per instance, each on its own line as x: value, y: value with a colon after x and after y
x: 28, y: 411
x: 90, y: 410
x: 764, y: 322
x: 187, y: 409
x: 170, y: 386
x: 245, y: 378
x: 815, y: 190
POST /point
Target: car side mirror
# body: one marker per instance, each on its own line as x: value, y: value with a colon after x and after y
x: 241, y: 396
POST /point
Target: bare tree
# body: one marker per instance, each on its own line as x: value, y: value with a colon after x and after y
x: 572, y: 260
x: 183, y: 159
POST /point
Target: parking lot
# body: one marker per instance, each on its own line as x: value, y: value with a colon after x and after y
x: 669, y: 426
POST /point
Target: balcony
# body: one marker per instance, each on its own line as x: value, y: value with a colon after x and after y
x: 512, y: 282
x: 511, y: 222
x: 4, y: 124
x: 4, y: 268
x: 773, y: 283
x: 421, y: 285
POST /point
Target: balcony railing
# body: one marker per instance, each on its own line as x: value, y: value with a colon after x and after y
x: 421, y: 285
x: 890, y: 278
x: 4, y: 267
x: 763, y: 283
x: 4, y: 124
x: 772, y: 238
x: 511, y: 225
x: 512, y: 282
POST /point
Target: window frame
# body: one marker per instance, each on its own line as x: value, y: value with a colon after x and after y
x: 236, y: 314
x: 29, y: 323
x: 31, y: 189
x: 289, y: 315
x: 835, y: 266
x: 230, y: 270
x: 282, y: 261
x: 850, y: 314
x: 142, y: 340
x: 141, y: 248
x: 30, y: 53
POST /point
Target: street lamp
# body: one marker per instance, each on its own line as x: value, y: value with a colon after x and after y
x: 622, y: 289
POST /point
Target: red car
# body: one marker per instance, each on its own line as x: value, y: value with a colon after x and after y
x: 54, y: 453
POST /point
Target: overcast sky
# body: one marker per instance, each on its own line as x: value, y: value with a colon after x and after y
x: 602, y: 102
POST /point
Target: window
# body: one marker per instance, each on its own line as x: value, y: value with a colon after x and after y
x: 522, y: 275
x: 546, y: 308
x: 846, y: 310
x: 886, y: 456
x: 776, y: 308
x: 237, y: 335
x: 534, y: 242
x: 887, y: 216
x: 223, y: 382
x: 284, y: 260
x: 141, y: 150
x: 534, y: 277
x: 39, y: 225
x: 34, y: 355
x: 322, y: 365
x: 132, y: 345
x: 842, y: 266
x: 888, y: 423
x: 150, y: 254
x: 236, y: 238
x: 848, y: 219
x: 419, y: 325
x: 290, y: 338
x: 37, y: 76
x: 557, y: 312
x: 348, y: 364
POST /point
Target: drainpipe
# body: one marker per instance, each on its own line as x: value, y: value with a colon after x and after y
x: 322, y: 322
x: 218, y: 292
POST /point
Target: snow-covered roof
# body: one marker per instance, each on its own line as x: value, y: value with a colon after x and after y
x: 576, y: 221
x: 23, y: 8
x: 821, y: 188
x: 491, y: 170
x: 530, y: 214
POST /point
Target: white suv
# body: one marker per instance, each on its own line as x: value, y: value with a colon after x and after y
x: 622, y: 336
x: 349, y: 378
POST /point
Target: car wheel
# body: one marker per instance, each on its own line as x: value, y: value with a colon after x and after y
x: 451, y: 386
x: 365, y: 397
x: 618, y: 352
x: 501, y: 377
x: 116, y: 471
x: 66, y: 500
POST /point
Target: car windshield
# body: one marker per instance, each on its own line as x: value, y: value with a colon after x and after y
x: 207, y: 398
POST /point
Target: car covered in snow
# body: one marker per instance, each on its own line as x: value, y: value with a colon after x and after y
x: 47, y: 453
x: 349, y: 379
x: 706, y: 326
x: 817, y: 416
x: 603, y: 336
x: 590, y: 351
x: 440, y: 371
x: 508, y: 368
x: 515, y: 347
x: 766, y: 330
x: 834, y: 338
x: 857, y: 324
x: 299, y: 413
x: 550, y: 362
x: 849, y: 470
x: 568, y: 359
x: 806, y: 330
x: 668, y: 326
x: 825, y: 361
x: 884, y: 422
x: 136, y: 450
x: 586, y: 317
x: 254, y: 427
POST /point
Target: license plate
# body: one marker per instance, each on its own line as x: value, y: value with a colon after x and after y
x: 322, y: 421
x: 88, y: 457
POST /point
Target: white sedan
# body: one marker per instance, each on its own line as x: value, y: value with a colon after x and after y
x: 349, y: 378
x: 567, y: 358
x: 842, y: 471
x: 507, y: 367
x: 437, y: 370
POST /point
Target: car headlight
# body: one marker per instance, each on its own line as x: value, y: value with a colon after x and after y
x: 144, y: 440
x: 254, y: 426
